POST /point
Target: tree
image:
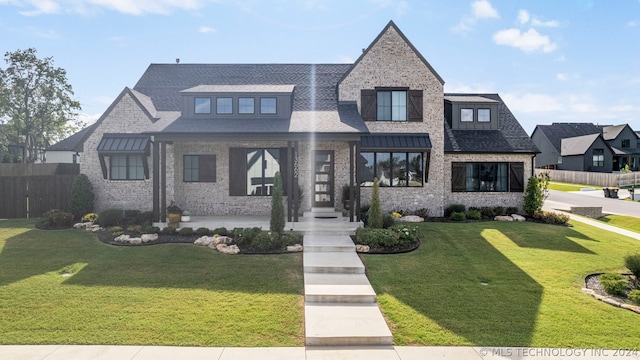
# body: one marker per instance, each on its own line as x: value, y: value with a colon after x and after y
x: 533, y: 197
x: 277, y: 207
x: 82, y: 196
x: 36, y: 105
x: 375, y: 212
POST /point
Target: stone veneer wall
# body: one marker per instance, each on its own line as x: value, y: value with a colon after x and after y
x: 125, y: 117
x: 478, y: 199
x: 213, y: 198
x: 391, y: 62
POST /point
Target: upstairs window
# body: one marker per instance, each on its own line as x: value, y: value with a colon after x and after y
x: 224, y: 105
x: 626, y: 143
x: 246, y: 105
x: 203, y: 105
x: 268, y: 105
x: 392, y: 105
x: 484, y: 115
x: 466, y: 115
x: 598, y: 157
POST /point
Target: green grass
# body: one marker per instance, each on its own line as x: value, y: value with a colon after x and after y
x: 622, y: 221
x: 66, y: 287
x: 503, y: 284
x: 554, y: 185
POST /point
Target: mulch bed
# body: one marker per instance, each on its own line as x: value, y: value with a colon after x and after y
x: 592, y: 282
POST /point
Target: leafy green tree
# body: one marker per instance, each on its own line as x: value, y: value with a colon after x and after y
x: 533, y: 197
x: 375, y: 213
x: 82, y: 197
x: 36, y: 105
x: 277, y: 206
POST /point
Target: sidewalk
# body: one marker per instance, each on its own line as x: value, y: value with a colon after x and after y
x: 99, y: 352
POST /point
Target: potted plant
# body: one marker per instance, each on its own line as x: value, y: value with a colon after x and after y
x: 174, y: 213
x: 186, y: 216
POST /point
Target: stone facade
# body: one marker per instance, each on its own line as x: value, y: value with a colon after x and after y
x: 392, y: 62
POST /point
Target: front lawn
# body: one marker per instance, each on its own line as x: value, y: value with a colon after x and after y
x: 554, y: 185
x: 66, y: 287
x: 503, y: 284
x: 622, y: 221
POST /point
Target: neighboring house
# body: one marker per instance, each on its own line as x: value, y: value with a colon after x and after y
x: 70, y: 149
x: 562, y: 143
x: 212, y: 137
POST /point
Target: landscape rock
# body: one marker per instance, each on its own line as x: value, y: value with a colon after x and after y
x: 95, y: 228
x: 411, y: 218
x: 135, y: 241
x: 503, y: 218
x: 362, y: 248
x: 122, y: 239
x: 294, y: 248
x: 228, y: 249
x: 149, y: 237
x: 517, y: 217
x: 203, y: 241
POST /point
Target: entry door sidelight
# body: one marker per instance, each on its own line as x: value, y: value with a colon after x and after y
x: 323, y: 192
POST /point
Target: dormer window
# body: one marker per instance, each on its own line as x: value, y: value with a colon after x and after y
x: 484, y: 115
x: 268, y: 105
x: 246, y: 105
x: 626, y: 143
x: 202, y: 105
x: 466, y: 115
x: 224, y: 105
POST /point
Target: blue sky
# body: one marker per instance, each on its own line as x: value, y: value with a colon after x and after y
x: 551, y: 61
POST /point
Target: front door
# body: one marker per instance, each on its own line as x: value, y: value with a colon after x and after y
x: 323, y: 178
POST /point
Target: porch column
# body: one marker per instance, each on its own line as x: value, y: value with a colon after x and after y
x: 293, y: 202
x: 163, y: 182
x: 354, y: 181
x: 156, y: 181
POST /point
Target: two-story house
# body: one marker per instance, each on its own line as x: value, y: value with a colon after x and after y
x: 212, y: 137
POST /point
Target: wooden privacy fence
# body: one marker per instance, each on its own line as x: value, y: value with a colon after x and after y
x: 30, y: 190
x: 593, y: 178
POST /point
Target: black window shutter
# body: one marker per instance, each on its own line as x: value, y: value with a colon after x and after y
x: 207, y: 168
x: 458, y: 177
x: 368, y: 105
x: 516, y: 177
x: 237, y: 172
x: 284, y: 173
x: 415, y: 105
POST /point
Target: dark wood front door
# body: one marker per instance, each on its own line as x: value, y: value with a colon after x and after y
x: 323, y: 192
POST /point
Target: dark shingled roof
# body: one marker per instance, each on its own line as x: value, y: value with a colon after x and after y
x: 558, y: 131
x: 406, y: 142
x: 74, y: 142
x: 509, y: 138
x: 315, y: 85
x: 123, y: 143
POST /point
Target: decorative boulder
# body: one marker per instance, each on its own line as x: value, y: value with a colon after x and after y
x: 517, y: 217
x: 294, y: 248
x: 149, y: 237
x: 222, y: 240
x: 503, y: 218
x: 203, y: 241
x: 228, y: 249
x: 83, y: 225
x: 411, y: 218
x: 122, y: 238
x: 135, y: 241
x: 362, y: 248
x: 95, y: 228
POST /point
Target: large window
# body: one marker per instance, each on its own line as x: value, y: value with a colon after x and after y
x: 268, y: 105
x: 203, y: 105
x: 598, y: 157
x: 484, y: 115
x: 466, y: 115
x: 394, y: 169
x: 487, y: 177
x: 246, y: 105
x: 392, y: 105
x: 224, y: 105
x: 199, y: 168
x: 127, y: 167
x: 262, y: 166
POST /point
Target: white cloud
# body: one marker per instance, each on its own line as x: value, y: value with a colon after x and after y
x: 528, y: 41
x: 137, y: 7
x: 632, y: 23
x: 482, y: 9
x: 42, y: 7
x: 539, y: 23
x: 532, y: 103
x: 205, y: 30
x: 476, y: 88
x: 523, y: 17
x: 345, y: 59
x: 562, y: 77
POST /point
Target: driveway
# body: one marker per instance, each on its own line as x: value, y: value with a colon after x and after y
x: 560, y: 200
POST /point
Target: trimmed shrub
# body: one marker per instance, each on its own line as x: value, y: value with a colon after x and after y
x: 377, y: 238
x: 168, y: 231
x: 613, y: 283
x: 457, y: 216
x: 388, y: 220
x: 512, y: 210
x: 632, y: 262
x: 423, y: 213
x: 134, y: 229
x: 186, y: 231
x: 549, y: 217
x: 406, y: 234
x: 375, y: 213
x: 82, y: 196
x: 634, y: 296
x: 151, y: 230
x: 110, y: 217
x: 459, y: 208
x: 498, y: 210
x: 291, y: 238
x: 146, y: 218
x: 474, y: 214
x: 533, y: 197
x: 220, y: 231
x: 262, y: 241
x: 90, y: 217
x: 203, y: 231
x: 245, y: 236
x: 486, y: 212
x: 132, y: 217
x: 58, y: 218
x: 277, y: 207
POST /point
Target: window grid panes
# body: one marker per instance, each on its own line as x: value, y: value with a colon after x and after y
x: 224, y: 105
x: 202, y: 105
x: 268, y: 105
x: 487, y: 177
x: 598, y: 157
x: 191, y: 168
x: 626, y: 143
x: 466, y: 115
x: 397, y: 169
x: 262, y: 166
x: 127, y: 167
x: 392, y: 105
x: 246, y: 105
x: 484, y: 115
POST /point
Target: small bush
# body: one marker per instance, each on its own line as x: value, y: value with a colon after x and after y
x: 203, y: 231
x: 262, y: 241
x: 498, y: 210
x: 186, y: 231
x: 457, y: 216
x: 375, y: 218
x: 245, y: 236
x: 132, y: 217
x: 221, y: 231
x: 135, y: 229
x: 291, y: 238
x: 632, y: 262
x: 407, y: 235
x: 151, y: 230
x: 459, y: 208
x: 422, y: 212
x: 168, y: 231
x: 90, y: 217
x: 634, y: 296
x: 146, y: 218
x: 377, y: 238
x: 613, y: 283
x: 82, y: 196
x: 59, y: 218
x: 474, y: 214
x: 110, y: 217
x: 486, y: 212
x: 512, y: 210
x: 549, y: 217
x: 388, y: 220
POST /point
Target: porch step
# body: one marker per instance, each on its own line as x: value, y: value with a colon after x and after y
x: 337, y: 324
x: 322, y: 213
x: 332, y: 262
x: 328, y: 243
x: 338, y: 288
